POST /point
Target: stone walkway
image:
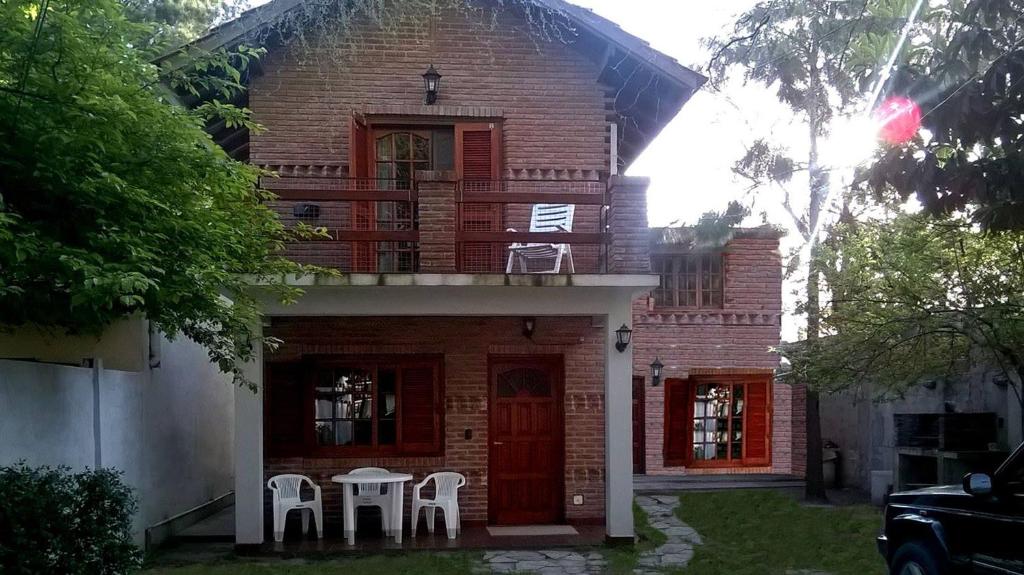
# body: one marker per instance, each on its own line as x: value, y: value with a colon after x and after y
x: 550, y: 562
x: 660, y: 509
x: 678, y: 550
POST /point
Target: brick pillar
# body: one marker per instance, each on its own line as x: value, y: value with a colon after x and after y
x: 437, y: 213
x: 629, y: 248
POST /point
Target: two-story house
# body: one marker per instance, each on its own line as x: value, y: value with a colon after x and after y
x: 451, y: 158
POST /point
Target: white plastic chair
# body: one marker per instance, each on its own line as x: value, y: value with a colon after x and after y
x: 446, y: 498
x: 544, y: 218
x: 287, y: 489
x: 369, y: 495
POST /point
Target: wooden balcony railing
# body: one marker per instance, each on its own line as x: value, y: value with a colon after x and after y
x: 376, y: 225
x: 488, y: 211
x: 372, y: 222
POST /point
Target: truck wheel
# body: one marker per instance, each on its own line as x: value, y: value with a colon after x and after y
x: 918, y: 558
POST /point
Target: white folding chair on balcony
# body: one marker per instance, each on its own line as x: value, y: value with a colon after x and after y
x: 544, y: 218
x: 369, y: 495
x: 286, y: 491
x: 446, y: 498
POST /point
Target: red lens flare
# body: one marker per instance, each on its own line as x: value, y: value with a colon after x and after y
x: 898, y: 119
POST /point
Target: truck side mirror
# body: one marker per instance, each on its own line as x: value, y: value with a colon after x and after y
x: 978, y: 484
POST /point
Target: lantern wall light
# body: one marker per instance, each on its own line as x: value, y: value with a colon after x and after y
x: 431, y: 84
x: 622, y: 337
x: 656, y: 367
x: 529, y: 324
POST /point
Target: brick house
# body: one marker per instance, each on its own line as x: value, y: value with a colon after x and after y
x: 432, y: 349
x: 710, y: 323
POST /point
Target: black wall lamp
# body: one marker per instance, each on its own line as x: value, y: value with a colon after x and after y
x: 622, y: 337
x: 431, y: 84
x: 656, y: 367
x: 529, y: 324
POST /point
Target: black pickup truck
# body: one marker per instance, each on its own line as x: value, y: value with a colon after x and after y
x: 977, y: 527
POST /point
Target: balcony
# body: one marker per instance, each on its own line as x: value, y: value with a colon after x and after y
x: 438, y: 224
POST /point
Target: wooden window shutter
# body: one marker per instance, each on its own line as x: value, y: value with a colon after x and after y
x: 478, y: 161
x: 284, y: 401
x: 364, y: 254
x: 757, y: 444
x: 478, y: 151
x: 677, y: 422
x: 420, y: 408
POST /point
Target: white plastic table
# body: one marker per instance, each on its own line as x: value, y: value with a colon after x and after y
x: 396, y: 488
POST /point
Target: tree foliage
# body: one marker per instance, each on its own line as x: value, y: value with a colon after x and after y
x: 967, y: 75
x: 113, y: 200
x: 175, y: 22
x: 916, y: 298
x: 811, y: 54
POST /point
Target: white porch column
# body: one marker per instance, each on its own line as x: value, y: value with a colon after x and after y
x: 249, y: 454
x: 618, y: 424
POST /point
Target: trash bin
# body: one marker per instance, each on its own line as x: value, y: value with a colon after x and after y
x: 829, y: 459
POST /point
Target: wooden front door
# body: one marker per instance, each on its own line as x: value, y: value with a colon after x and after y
x: 526, y: 440
x: 639, y: 425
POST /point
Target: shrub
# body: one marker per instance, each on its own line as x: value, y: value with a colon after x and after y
x: 56, y: 521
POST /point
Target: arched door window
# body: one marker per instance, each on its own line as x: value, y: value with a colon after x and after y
x: 400, y: 154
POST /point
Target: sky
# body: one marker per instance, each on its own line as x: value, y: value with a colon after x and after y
x: 690, y: 162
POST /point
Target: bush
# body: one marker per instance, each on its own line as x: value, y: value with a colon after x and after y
x: 56, y: 521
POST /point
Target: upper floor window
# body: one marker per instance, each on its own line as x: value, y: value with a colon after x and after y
x: 689, y: 280
x: 399, y: 154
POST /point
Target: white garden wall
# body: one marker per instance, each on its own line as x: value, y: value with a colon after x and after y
x: 169, y: 427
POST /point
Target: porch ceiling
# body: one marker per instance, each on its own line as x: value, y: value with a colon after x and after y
x: 459, y: 294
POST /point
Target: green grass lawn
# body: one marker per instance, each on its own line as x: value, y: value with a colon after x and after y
x: 416, y: 563
x: 622, y: 560
x: 764, y: 532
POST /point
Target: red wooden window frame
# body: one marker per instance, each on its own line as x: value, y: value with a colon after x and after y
x: 285, y: 380
x: 690, y: 281
x: 477, y: 157
x: 680, y: 396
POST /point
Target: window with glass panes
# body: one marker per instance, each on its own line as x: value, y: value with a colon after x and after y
x: 397, y: 156
x: 378, y: 405
x: 718, y: 422
x: 689, y: 280
x: 355, y: 406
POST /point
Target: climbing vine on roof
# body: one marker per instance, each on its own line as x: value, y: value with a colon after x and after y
x: 327, y: 31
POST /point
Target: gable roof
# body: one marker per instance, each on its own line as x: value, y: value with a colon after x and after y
x: 650, y: 87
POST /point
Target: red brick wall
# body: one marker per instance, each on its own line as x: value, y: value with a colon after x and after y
x: 546, y: 92
x: 736, y: 337
x: 465, y: 343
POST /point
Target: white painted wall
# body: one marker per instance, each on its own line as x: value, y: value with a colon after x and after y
x: 46, y: 414
x: 122, y: 346
x: 168, y: 428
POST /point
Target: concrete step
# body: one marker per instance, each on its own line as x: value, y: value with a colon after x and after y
x: 646, y: 484
x: 217, y: 527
